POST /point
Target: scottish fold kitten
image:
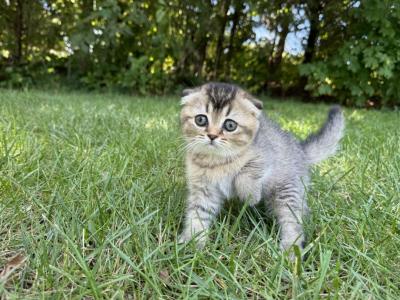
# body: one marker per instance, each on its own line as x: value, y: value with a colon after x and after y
x: 235, y: 150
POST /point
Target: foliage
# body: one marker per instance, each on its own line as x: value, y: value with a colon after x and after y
x: 350, y: 49
x: 367, y: 64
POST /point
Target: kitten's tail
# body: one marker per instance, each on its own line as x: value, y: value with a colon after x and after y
x: 322, y: 144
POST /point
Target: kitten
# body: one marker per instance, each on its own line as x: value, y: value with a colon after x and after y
x: 235, y: 150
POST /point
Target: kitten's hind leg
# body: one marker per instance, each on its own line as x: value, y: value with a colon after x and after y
x: 290, y: 207
x: 203, y: 205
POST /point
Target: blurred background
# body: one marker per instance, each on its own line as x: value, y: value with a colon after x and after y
x: 342, y: 51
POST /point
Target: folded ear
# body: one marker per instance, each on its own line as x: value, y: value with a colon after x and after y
x: 257, y: 103
x: 187, y: 95
x: 187, y: 92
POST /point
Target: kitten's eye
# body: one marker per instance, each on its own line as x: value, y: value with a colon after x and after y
x: 230, y: 125
x: 201, y: 120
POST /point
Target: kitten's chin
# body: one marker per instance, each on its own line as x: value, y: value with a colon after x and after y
x: 213, y: 150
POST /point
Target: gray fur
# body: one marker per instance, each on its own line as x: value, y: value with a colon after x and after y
x: 274, y: 168
x: 220, y: 94
x: 323, y: 144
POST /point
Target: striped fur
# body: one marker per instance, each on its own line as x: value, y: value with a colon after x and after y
x: 256, y: 162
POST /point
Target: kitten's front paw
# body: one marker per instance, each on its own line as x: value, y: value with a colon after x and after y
x: 183, y: 238
x: 288, y: 247
x: 199, y: 239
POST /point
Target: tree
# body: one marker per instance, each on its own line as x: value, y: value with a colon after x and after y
x: 363, y: 67
x: 351, y: 49
x: 222, y: 21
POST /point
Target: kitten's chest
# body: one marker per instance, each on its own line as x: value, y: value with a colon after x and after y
x: 225, y: 185
x: 220, y: 175
x: 223, y: 178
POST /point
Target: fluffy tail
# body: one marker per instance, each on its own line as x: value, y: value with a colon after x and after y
x: 322, y: 144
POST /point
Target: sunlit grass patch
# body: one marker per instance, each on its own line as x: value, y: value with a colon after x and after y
x: 92, y: 195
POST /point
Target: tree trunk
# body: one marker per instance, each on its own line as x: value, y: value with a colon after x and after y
x: 273, y: 85
x: 271, y: 53
x: 18, y: 32
x: 315, y: 9
x: 184, y: 61
x: 221, y: 33
x: 201, y: 57
x: 277, y: 58
x: 231, y: 48
x: 202, y: 39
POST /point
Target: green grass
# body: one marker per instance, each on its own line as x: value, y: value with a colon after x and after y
x: 92, y: 192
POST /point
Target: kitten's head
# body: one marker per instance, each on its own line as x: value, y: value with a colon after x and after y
x: 219, y: 119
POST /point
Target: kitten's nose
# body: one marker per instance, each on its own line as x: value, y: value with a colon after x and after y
x: 212, y: 136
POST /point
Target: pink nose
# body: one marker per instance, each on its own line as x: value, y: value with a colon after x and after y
x: 212, y: 136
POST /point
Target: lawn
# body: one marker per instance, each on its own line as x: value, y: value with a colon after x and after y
x: 92, y: 194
